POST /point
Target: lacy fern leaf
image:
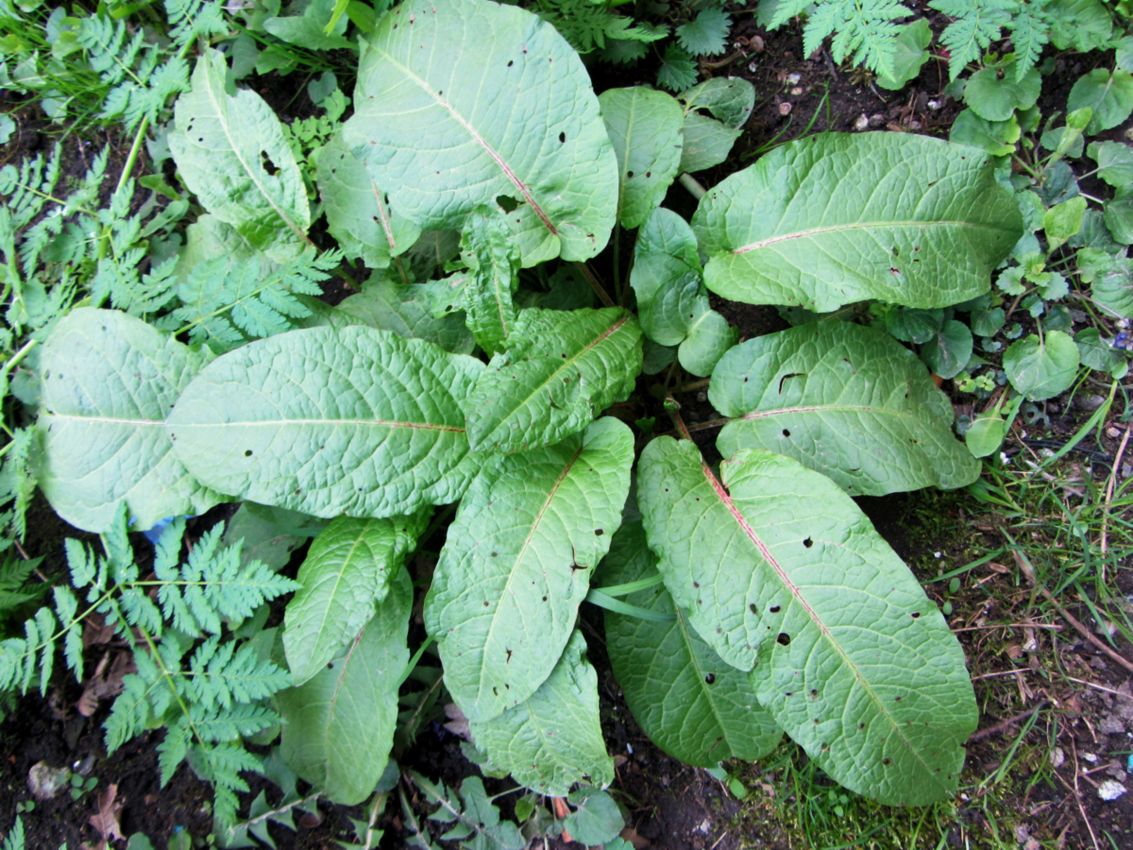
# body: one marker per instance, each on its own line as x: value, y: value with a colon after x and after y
x: 977, y: 24
x: 227, y: 301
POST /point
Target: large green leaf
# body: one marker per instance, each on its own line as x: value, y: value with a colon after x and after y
x: 358, y: 212
x: 645, y: 128
x: 833, y: 219
x: 330, y: 421
x: 687, y: 700
x: 845, y: 400
x: 348, y: 569
x: 706, y: 141
x: 338, y: 727
x: 780, y: 571
x: 552, y: 740
x: 108, y: 381
x: 460, y: 103
x: 561, y: 369
x: 517, y: 563
x: 231, y: 152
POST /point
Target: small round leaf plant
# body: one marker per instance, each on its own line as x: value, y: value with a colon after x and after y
x: 476, y: 176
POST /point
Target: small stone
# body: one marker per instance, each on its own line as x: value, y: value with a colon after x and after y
x: 1090, y: 757
x: 796, y: 91
x: 756, y: 43
x: 752, y: 67
x: 1057, y: 757
x: 877, y: 120
x: 934, y: 105
x: 793, y: 79
x: 861, y: 122
x: 1113, y: 432
x: 45, y: 781
x: 1111, y: 725
x: 1110, y: 790
x: 785, y: 108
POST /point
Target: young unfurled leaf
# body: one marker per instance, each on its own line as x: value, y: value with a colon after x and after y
x: 493, y: 263
x: 348, y: 569
x: 688, y: 701
x: 338, y: 727
x: 672, y: 302
x: 537, y: 140
x: 358, y: 211
x: 780, y: 572
x: 845, y: 400
x: 645, y: 128
x: 404, y: 308
x: 108, y: 382
x: 707, y: 139
x: 331, y: 421
x: 552, y: 740
x: 230, y: 151
x: 561, y: 369
x: 924, y: 221
x: 517, y: 563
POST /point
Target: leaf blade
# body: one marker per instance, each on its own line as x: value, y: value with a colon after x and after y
x: 522, y: 546
x: 347, y: 570
x: 426, y: 69
x: 835, y: 627
x: 833, y: 219
x: 330, y: 421
x: 845, y: 400
x: 108, y: 381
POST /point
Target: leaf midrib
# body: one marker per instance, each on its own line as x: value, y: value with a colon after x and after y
x: 514, y: 570
x: 765, y: 553
x: 821, y: 230
x: 468, y: 127
x: 563, y: 366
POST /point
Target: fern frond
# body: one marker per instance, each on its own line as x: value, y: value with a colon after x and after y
x: 222, y: 765
x: 15, y: 590
x: 225, y: 673
x: 14, y: 840
x: 137, y: 79
x: 228, y: 301
x: 17, y: 482
x: 1030, y: 32
x: 172, y: 750
x: 192, y: 19
x: 977, y: 24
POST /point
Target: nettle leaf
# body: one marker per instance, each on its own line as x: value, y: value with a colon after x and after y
x: 645, y: 128
x: 782, y: 574
x: 706, y: 34
x: 231, y: 152
x: 406, y: 309
x: 338, y: 727
x: 108, y: 381
x: 561, y: 369
x: 517, y: 563
x: 348, y: 568
x: 538, y: 140
x: 687, y: 700
x: 330, y: 421
x: 833, y: 219
x: 845, y: 400
x: 358, y: 212
x: 672, y: 302
x: 553, y: 739
x: 493, y: 263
